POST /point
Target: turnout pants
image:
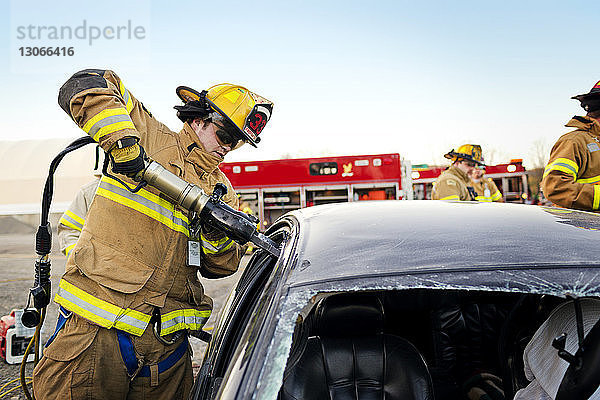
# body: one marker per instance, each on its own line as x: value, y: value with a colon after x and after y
x: 86, y: 361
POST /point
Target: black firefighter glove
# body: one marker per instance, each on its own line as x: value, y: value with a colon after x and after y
x: 127, y: 157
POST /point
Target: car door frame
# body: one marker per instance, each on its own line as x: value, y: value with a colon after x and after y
x: 239, y: 316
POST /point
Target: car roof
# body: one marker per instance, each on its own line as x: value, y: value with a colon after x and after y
x: 375, y: 238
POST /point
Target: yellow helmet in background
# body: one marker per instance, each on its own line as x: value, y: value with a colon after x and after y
x: 245, y: 111
x: 470, y: 152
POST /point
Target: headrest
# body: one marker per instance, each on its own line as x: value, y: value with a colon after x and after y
x: 353, y: 314
x: 542, y: 362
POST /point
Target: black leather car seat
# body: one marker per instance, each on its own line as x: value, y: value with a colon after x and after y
x: 347, y: 356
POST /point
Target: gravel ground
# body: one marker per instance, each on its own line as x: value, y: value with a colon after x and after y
x: 17, y: 257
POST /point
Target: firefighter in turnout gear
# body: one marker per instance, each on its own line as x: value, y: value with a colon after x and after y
x: 572, y: 176
x: 71, y: 222
x: 454, y: 183
x: 130, y: 293
x: 485, y: 188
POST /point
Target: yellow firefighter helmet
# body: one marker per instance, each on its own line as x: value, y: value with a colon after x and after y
x: 246, y: 112
x: 470, y: 152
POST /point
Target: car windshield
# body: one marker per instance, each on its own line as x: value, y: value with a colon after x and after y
x: 532, y: 289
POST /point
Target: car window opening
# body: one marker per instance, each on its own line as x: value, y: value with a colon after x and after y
x: 412, y: 341
x: 243, y: 306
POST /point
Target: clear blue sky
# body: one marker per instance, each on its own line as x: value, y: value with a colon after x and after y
x: 347, y: 77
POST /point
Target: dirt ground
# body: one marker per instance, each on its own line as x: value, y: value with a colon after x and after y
x: 17, y: 258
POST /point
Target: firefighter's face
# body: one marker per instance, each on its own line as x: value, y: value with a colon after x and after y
x: 207, y: 134
x: 477, y: 173
x: 466, y: 166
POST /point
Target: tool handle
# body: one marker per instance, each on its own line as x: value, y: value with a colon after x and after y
x: 43, y: 240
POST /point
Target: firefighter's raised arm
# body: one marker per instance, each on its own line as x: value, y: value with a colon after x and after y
x: 100, y: 104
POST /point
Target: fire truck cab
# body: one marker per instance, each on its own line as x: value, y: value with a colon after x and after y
x: 271, y: 188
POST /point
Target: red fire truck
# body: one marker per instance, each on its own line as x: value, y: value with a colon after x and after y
x: 510, y: 178
x: 272, y: 188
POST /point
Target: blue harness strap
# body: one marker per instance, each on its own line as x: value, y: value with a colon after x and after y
x: 63, y: 316
x: 131, y: 361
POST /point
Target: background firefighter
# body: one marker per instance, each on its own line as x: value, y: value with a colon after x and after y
x: 485, y: 188
x: 572, y: 177
x: 129, y: 293
x: 71, y: 222
x: 454, y: 183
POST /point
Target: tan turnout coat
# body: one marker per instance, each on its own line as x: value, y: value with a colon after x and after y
x: 131, y: 256
x: 452, y: 185
x: 572, y: 176
x: 71, y: 222
x: 486, y: 190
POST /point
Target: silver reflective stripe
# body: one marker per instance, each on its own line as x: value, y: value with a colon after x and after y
x: 149, y: 204
x: 569, y: 167
x: 126, y: 319
x: 107, y: 121
x: 107, y: 315
x: 183, y: 319
x: 99, y: 313
x: 77, y: 224
x: 125, y: 93
x: 215, y: 249
x: 126, y: 97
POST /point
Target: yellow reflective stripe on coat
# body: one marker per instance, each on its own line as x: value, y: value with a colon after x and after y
x: 146, y: 203
x: 187, y: 318
x: 563, y: 165
x: 453, y: 197
x: 126, y: 97
x: 108, y: 121
x: 216, y: 246
x: 496, y: 196
x: 592, y: 180
x: 596, y: 204
x: 69, y: 248
x: 72, y: 220
x: 99, y: 311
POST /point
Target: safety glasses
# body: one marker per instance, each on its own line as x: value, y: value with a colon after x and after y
x: 225, y: 137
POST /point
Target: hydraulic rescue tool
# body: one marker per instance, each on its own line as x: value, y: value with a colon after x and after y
x: 205, y: 210
x: 211, y: 210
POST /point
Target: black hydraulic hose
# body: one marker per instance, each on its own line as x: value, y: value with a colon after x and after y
x: 34, y: 341
x: 49, y: 187
x: 43, y: 244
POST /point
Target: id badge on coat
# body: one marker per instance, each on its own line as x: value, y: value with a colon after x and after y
x: 194, y: 253
x: 194, y: 250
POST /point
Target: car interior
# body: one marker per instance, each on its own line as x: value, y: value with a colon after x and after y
x: 411, y: 344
